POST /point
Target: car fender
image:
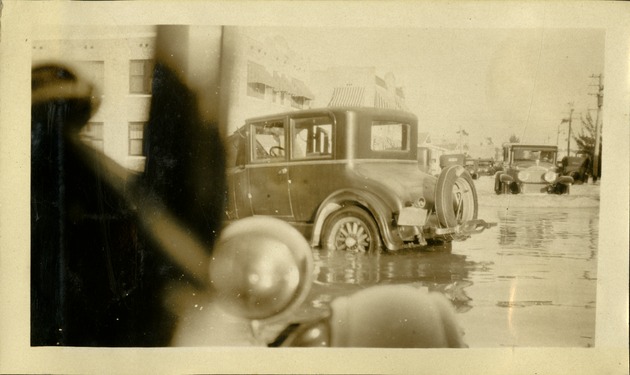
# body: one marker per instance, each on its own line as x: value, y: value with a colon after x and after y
x: 380, y: 211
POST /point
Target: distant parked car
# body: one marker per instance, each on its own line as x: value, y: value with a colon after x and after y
x: 485, y: 167
x: 472, y: 166
x: 451, y: 159
x: 577, y: 167
x: 529, y: 169
x: 348, y: 179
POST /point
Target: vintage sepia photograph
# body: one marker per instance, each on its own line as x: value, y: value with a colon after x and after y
x: 336, y: 193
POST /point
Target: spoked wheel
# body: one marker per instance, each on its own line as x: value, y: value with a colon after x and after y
x: 456, y: 197
x: 351, y: 229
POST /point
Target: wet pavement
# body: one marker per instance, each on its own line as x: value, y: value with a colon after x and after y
x: 528, y: 282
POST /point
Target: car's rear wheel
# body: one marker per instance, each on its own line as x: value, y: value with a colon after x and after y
x: 455, y: 197
x: 351, y: 229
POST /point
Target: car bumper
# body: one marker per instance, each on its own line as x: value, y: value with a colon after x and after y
x: 459, y: 232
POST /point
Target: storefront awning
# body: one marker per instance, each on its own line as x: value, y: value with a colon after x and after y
x: 348, y: 96
x: 257, y: 73
x: 301, y: 89
x: 281, y: 83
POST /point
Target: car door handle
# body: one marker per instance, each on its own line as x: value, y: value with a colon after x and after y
x: 283, y: 171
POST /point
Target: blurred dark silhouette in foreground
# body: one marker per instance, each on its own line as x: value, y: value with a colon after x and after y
x: 97, y: 275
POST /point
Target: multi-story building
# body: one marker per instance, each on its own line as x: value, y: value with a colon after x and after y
x: 266, y: 77
x: 120, y: 65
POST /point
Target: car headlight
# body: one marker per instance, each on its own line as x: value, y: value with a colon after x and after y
x: 523, y: 176
x: 550, y: 176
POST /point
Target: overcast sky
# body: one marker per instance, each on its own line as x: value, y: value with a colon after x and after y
x: 491, y: 82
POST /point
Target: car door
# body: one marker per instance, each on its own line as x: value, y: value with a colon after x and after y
x: 268, y: 171
x: 313, y: 172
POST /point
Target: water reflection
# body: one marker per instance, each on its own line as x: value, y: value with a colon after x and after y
x: 529, y: 229
x: 437, y: 270
x: 529, y: 281
x: 569, y: 233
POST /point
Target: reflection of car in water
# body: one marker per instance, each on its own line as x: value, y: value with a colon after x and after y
x: 348, y: 179
x: 527, y: 229
x: 438, y: 270
x: 529, y: 169
x: 576, y: 167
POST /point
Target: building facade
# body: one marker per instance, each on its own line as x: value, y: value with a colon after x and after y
x: 120, y: 66
x: 265, y: 77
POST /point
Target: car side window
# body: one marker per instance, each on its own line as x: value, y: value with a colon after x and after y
x: 312, y: 138
x: 268, y: 139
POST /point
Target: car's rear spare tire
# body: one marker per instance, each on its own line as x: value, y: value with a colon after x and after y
x: 351, y: 228
x: 455, y: 197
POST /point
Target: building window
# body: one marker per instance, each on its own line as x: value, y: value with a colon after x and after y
x: 136, y: 138
x: 297, y: 102
x: 92, y: 134
x: 93, y: 71
x: 257, y: 90
x: 140, y: 76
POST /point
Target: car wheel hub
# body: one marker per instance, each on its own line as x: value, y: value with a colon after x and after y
x: 352, y: 236
x: 350, y: 242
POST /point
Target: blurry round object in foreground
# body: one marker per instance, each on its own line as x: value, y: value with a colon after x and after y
x: 260, y: 268
x: 394, y: 316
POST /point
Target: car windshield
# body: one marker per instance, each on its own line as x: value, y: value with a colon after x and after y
x: 533, y: 155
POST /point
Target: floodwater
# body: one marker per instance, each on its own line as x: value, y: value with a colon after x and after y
x: 530, y: 281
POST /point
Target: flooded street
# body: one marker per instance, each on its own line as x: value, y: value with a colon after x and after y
x: 528, y: 282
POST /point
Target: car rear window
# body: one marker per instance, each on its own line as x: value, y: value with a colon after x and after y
x: 389, y: 136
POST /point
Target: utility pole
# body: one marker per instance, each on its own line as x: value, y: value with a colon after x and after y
x: 600, y: 101
x: 569, y: 136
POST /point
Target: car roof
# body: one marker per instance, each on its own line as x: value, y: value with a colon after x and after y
x: 525, y: 145
x: 335, y: 111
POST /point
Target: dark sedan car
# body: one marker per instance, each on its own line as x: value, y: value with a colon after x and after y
x: 348, y: 179
x: 577, y: 167
x: 485, y: 167
x: 531, y: 169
